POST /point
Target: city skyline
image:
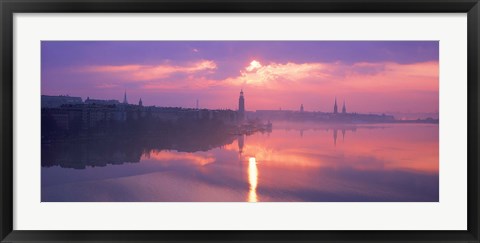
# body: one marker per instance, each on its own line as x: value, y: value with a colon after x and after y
x: 370, y: 76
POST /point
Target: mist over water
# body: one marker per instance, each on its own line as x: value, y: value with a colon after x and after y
x: 295, y: 162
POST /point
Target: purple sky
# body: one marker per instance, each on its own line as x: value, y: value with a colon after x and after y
x: 371, y: 76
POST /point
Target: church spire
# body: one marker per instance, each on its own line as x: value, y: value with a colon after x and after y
x: 344, y: 109
x: 125, y: 98
x: 335, y: 108
x: 140, y: 103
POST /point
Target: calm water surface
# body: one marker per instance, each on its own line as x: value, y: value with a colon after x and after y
x: 295, y: 162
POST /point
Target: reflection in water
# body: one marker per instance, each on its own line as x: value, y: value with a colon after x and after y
x: 387, y: 163
x: 241, y: 143
x: 167, y: 157
x: 335, y: 137
x: 252, y: 179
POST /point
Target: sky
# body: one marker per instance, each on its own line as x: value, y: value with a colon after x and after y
x: 369, y: 76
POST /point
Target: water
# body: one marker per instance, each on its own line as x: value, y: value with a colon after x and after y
x: 296, y: 162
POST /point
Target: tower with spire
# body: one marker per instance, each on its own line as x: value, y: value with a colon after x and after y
x: 344, y: 109
x: 335, y: 108
x: 140, y: 103
x: 301, y: 108
x: 125, y: 98
x: 241, y: 106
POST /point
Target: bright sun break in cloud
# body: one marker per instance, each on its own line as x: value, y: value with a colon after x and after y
x: 253, y: 65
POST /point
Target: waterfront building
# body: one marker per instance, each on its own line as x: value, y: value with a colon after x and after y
x: 344, y: 109
x: 89, y: 101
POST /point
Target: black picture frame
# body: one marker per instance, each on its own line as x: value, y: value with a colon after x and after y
x: 9, y: 7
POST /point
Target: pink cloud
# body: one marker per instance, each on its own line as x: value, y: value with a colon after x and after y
x: 328, y: 78
x: 366, y: 86
x: 310, y: 77
x: 152, y: 72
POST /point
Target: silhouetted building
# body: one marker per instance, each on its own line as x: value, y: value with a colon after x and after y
x: 344, y: 109
x: 61, y: 120
x: 301, y: 108
x: 89, y: 101
x: 140, y: 103
x: 49, y: 101
x: 335, y: 109
x: 241, y: 107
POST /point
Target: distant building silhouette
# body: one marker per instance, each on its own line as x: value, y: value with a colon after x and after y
x: 335, y: 108
x: 301, y: 108
x: 89, y: 101
x: 125, y: 98
x: 140, y: 103
x: 241, y: 106
x: 344, y: 109
x: 49, y: 101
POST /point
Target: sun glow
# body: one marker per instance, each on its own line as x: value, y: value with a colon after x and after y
x: 253, y: 65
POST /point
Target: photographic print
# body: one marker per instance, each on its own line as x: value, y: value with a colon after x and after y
x: 239, y: 121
